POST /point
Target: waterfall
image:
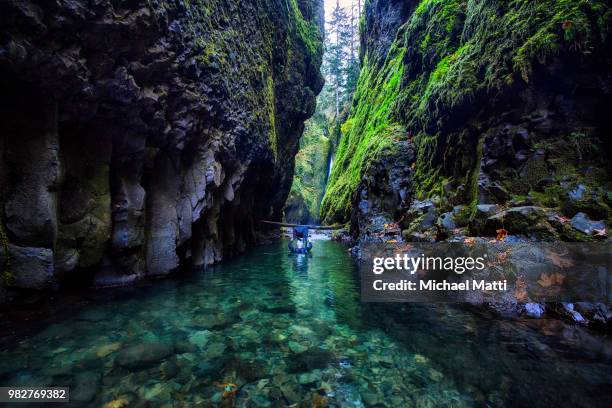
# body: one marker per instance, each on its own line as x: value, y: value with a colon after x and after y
x: 331, y: 163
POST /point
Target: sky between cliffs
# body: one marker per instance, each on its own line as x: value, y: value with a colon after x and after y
x: 346, y: 4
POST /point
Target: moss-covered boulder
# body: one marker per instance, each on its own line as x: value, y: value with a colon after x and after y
x: 527, y: 220
x: 479, y: 216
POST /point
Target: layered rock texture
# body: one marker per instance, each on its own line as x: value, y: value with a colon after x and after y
x: 483, y: 115
x: 138, y: 137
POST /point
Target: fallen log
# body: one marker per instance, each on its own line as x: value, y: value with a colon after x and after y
x: 313, y: 227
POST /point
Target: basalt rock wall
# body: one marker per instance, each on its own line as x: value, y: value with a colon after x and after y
x: 137, y: 137
x: 465, y: 109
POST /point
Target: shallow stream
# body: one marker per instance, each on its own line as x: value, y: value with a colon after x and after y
x: 273, y: 329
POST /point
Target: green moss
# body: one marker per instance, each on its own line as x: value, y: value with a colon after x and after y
x: 280, y: 45
x: 308, y: 32
x: 370, y: 133
x: 311, y: 166
x: 209, y: 52
x: 472, y: 181
x: 560, y: 23
x: 539, y: 47
x: 552, y: 196
x: 448, y: 55
x: 270, y: 102
x: 347, y: 126
x: 428, y: 179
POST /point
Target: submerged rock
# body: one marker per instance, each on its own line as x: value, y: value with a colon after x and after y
x: 310, y: 360
x: 215, y: 350
x: 249, y: 370
x: 168, y: 369
x: 157, y: 392
x: 144, y: 354
x: 85, y: 387
x: 215, y: 321
x: 296, y: 347
x: 200, y: 338
x: 310, y: 378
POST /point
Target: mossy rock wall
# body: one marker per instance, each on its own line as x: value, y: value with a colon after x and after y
x: 495, y: 100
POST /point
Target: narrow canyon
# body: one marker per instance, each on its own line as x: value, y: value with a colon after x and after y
x: 139, y: 137
x: 151, y: 149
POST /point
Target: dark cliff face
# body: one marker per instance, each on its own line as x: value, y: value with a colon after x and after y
x: 140, y: 136
x: 382, y: 21
x: 479, y: 102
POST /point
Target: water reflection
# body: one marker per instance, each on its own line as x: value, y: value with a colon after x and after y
x: 288, y: 329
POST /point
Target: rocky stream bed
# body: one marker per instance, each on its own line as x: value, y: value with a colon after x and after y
x: 270, y: 329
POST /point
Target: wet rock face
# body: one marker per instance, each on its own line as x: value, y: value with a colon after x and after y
x: 2, y: 293
x: 30, y: 268
x: 157, y: 136
x: 539, y: 141
x: 32, y: 161
x: 383, y: 194
x: 480, y: 129
x: 383, y: 19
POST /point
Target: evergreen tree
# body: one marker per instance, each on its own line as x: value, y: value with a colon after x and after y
x: 338, y: 53
x: 322, y: 133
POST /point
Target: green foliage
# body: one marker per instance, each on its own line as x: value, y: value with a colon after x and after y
x: 308, y: 32
x: 322, y: 133
x: 448, y: 54
x: 339, y: 66
x: 270, y: 103
x: 371, y: 132
x: 311, y: 164
x: 564, y: 23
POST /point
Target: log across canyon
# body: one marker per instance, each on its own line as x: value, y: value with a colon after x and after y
x: 138, y: 137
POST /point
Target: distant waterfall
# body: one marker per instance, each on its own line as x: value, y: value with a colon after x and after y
x: 331, y: 163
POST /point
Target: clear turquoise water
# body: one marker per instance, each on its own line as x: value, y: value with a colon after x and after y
x: 286, y: 329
